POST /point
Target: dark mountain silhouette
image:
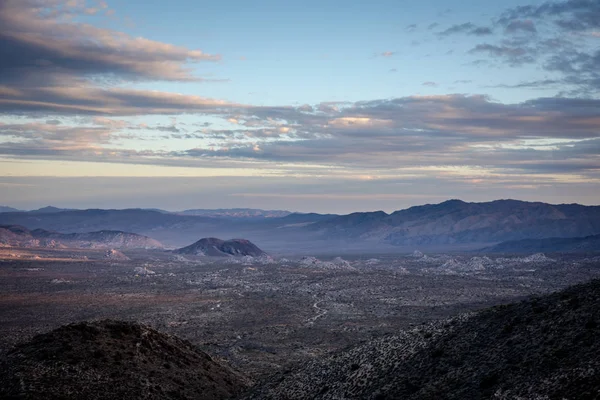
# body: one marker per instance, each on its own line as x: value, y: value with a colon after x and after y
x: 49, y: 210
x: 548, y: 245
x: 450, y: 223
x: 114, y: 360
x: 19, y: 236
x: 4, y: 209
x: 543, y: 348
x: 455, y: 222
x: 295, y: 218
x: 217, y: 247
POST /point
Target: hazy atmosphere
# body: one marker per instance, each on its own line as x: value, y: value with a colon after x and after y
x: 322, y: 106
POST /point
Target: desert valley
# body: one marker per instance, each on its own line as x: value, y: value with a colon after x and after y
x: 261, y: 312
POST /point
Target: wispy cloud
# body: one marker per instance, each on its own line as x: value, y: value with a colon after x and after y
x: 42, y: 43
x: 468, y: 28
x: 562, y: 47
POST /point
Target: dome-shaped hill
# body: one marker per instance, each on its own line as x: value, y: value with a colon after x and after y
x: 114, y: 360
x: 543, y: 348
x: 219, y: 248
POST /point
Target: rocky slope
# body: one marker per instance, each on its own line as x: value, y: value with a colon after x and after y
x: 114, y: 360
x: 456, y: 222
x: 18, y: 236
x: 543, y: 348
x: 219, y: 248
x: 562, y: 245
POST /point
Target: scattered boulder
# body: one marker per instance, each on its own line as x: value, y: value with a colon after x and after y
x: 537, y: 258
x: 143, y: 271
x: 115, y: 255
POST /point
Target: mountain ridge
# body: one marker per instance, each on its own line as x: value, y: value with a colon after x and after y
x: 554, y: 244
x: 19, y: 236
x: 455, y: 221
x: 448, y: 224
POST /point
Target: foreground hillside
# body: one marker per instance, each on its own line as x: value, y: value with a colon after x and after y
x: 543, y: 348
x: 114, y: 360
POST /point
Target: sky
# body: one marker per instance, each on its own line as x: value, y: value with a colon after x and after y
x: 314, y: 106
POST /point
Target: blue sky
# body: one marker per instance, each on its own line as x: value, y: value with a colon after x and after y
x: 288, y: 53
x: 332, y: 106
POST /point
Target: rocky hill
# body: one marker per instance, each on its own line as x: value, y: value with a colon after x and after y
x: 588, y: 244
x: 114, y: 360
x: 543, y: 348
x: 457, y: 222
x: 18, y: 236
x: 219, y: 248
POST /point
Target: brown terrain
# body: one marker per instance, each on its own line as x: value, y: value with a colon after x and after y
x: 114, y: 360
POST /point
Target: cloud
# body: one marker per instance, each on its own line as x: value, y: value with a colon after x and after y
x: 556, y: 35
x: 514, y: 56
x: 570, y: 15
x: 39, y: 136
x: 408, y: 132
x: 517, y: 26
x: 40, y: 41
x: 81, y: 98
x: 59, y: 84
x: 468, y: 28
x: 51, y: 64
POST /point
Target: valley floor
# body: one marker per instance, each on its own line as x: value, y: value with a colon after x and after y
x: 262, y: 315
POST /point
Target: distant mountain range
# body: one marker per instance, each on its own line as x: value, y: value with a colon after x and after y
x: 451, y: 224
x: 18, y: 236
x: 457, y: 222
x: 220, y: 212
x: 4, y: 209
x: 218, y: 248
x: 236, y: 213
x: 547, y: 245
